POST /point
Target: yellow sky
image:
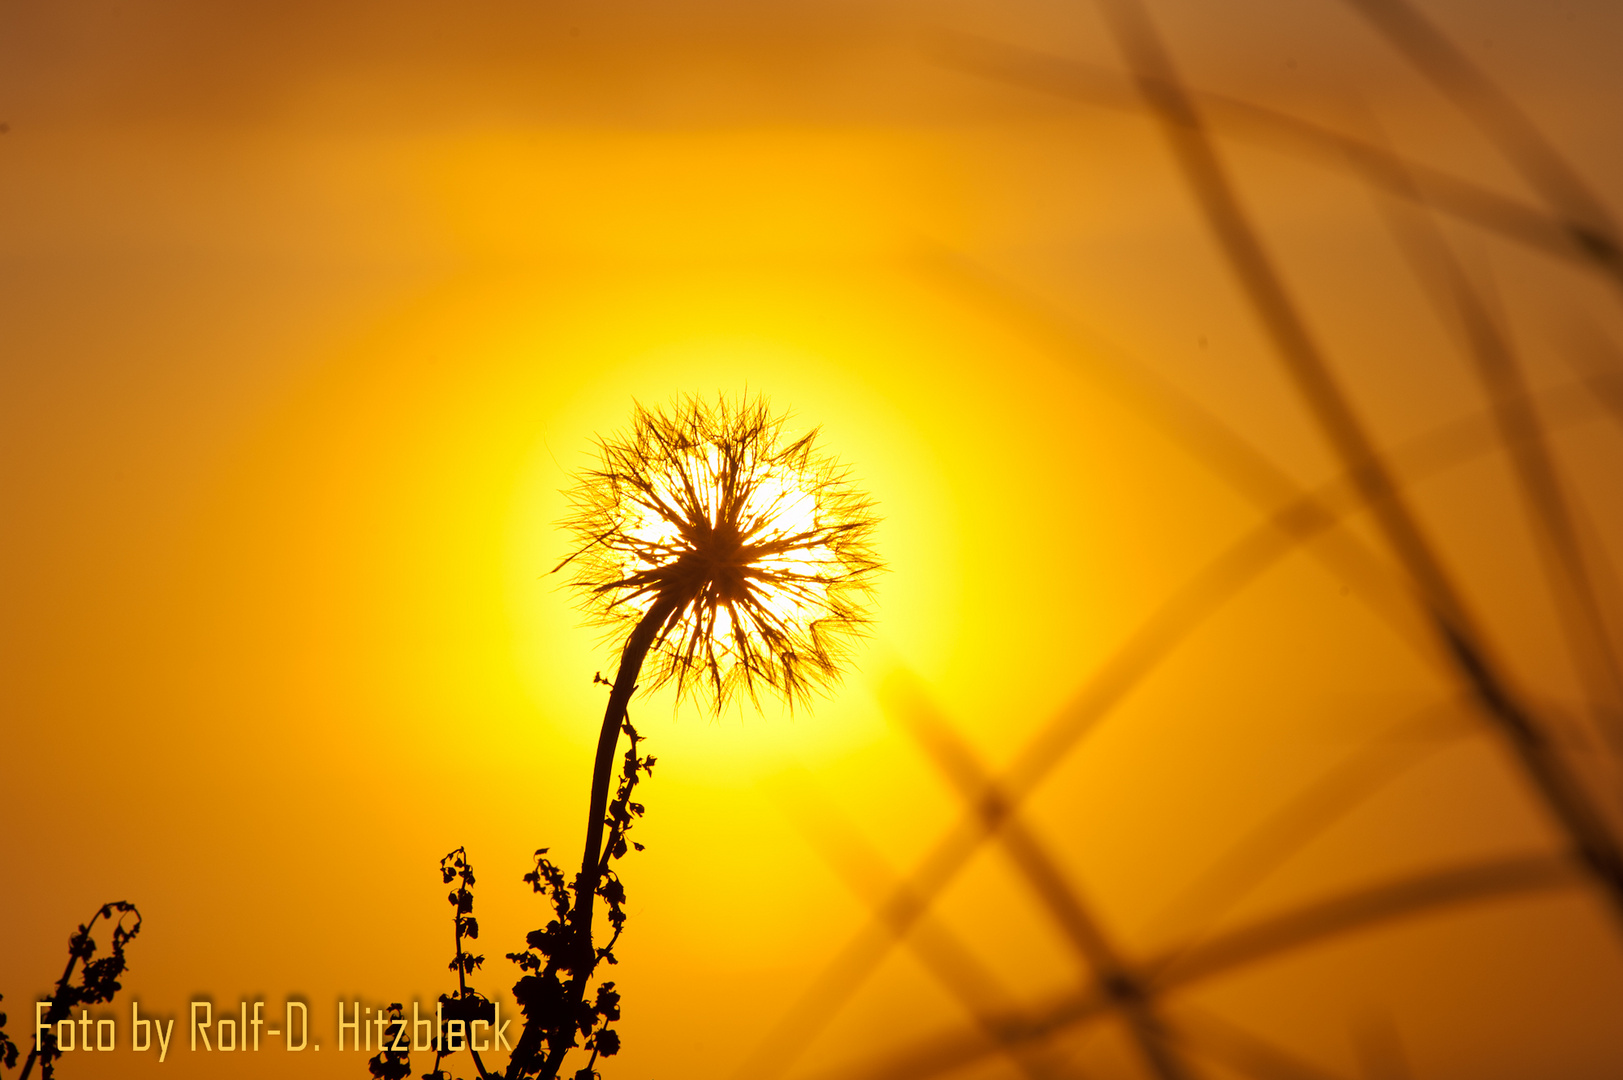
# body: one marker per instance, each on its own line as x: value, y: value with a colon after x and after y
x: 308, y: 314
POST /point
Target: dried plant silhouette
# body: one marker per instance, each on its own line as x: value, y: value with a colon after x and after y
x: 98, y: 983
x: 727, y: 557
x: 1410, y: 585
x: 556, y: 1010
x: 458, y: 1010
x: 556, y: 964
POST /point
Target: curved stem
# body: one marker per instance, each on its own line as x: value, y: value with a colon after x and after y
x: 625, y: 682
x: 59, y: 1007
x: 591, y: 864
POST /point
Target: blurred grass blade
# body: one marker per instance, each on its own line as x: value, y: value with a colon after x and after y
x: 1302, y: 819
x: 1424, y: 893
x: 1117, y: 676
x: 1381, y: 1055
x: 1229, y: 1045
x: 1303, y: 359
x: 1502, y: 121
x: 1545, y: 500
x: 1527, y: 225
x: 906, y: 704
x: 948, y: 960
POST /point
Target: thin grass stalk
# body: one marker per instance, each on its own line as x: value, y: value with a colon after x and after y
x: 1288, y: 528
x: 1119, y: 676
x: 1527, y: 225
x: 1379, y: 1046
x: 953, y: 965
x: 1427, y: 892
x: 1208, y: 181
x: 1231, y: 1046
x: 1499, y: 118
x: 1543, y: 495
x: 1040, y: 870
x: 957, y: 970
x: 1249, y: 861
x: 1597, y: 358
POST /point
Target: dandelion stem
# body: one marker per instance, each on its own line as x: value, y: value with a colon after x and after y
x: 642, y: 639
x: 625, y: 682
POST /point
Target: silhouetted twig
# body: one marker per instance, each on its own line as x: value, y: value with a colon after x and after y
x: 462, y: 1006
x: 8, y: 1049
x: 393, y: 1060
x: 98, y: 979
x: 556, y: 1013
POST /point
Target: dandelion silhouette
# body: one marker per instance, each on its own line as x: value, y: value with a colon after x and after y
x: 738, y: 557
x: 727, y: 557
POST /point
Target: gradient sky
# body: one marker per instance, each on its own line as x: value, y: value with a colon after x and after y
x: 308, y: 312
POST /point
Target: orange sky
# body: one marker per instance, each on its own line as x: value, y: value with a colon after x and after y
x: 309, y: 312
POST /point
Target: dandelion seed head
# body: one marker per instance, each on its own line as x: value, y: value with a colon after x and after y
x: 758, y: 541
